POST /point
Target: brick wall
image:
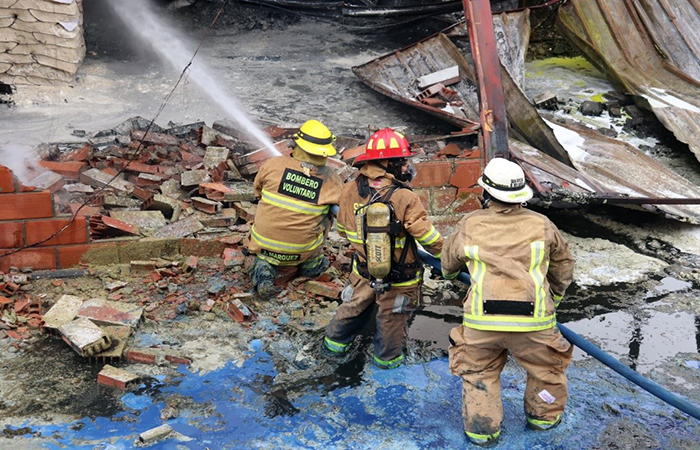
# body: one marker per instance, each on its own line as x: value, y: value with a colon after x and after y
x: 27, y: 217
x: 41, y: 41
x: 448, y: 188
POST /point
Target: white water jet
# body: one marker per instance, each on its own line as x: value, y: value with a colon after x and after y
x: 143, y: 22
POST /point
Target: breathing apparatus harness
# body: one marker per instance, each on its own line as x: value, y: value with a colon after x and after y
x: 377, y: 224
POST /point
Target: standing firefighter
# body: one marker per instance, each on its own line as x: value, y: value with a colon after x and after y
x: 520, y: 267
x: 383, y: 219
x: 293, y: 219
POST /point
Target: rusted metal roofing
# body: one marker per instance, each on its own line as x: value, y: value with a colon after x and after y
x: 607, y: 171
x: 396, y: 75
x: 650, y: 48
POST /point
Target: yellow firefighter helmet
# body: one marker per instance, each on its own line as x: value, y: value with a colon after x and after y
x: 314, y: 138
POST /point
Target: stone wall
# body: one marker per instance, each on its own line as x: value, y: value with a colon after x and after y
x: 41, y: 41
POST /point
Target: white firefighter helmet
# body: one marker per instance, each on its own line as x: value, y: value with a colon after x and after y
x: 505, y: 181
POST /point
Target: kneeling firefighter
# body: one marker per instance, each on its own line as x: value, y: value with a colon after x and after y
x: 520, y: 267
x: 293, y: 216
x: 383, y: 219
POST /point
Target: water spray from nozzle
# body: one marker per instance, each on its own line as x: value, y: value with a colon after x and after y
x: 166, y: 41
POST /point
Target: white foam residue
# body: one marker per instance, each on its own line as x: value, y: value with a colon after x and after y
x: 570, y: 140
x: 664, y: 100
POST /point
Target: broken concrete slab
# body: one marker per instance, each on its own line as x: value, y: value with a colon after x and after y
x: 118, y: 335
x: 97, y: 178
x: 169, y: 206
x: 215, y: 157
x: 62, y: 312
x: 155, y: 434
x: 154, y: 138
x: 179, y: 229
x: 106, y: 312
x: 48, y: 181
x: 117, y: 378
x: 193, y: 178
x: 83, y: 336
x: 144, y: 220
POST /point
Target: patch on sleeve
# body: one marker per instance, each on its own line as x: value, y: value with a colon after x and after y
x: 297, y: 185
x: 546, y: 396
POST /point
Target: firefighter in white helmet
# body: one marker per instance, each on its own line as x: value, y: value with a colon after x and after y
x: 520, y: 267
x: 383, y: 219
x: 293, y: 215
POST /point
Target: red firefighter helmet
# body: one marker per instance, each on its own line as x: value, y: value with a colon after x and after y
x: 385, y: 144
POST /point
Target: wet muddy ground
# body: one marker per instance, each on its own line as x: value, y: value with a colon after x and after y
x: 635, y: 293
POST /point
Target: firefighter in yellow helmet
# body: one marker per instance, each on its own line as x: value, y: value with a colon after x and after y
x: 383, y: 219
x: 520, y: 267
x: 293, y: 216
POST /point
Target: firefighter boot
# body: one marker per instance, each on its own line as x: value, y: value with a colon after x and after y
x: 542, y: 425
x: 483, y: 440
x: 314, y: 266
x: 263, y: 279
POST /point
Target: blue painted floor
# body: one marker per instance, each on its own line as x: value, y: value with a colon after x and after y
x: 413, y: 407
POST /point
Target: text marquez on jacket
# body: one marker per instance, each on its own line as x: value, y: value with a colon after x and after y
x: 296, y: 184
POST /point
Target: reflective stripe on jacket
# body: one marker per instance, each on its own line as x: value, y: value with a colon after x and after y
x: 408, y: 209
x: 292, y: 219
x: 520, y: 267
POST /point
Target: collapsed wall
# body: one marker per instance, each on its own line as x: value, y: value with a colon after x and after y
x: 41, y: 41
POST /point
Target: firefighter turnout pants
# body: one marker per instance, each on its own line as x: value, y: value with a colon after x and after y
x: 395, y: 308
x: 478, y: 358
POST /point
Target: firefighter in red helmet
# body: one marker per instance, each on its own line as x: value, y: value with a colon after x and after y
x: 384, y: 220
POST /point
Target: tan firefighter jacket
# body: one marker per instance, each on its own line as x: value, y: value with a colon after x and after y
x: 520, y: 267
x: 292, y: 218
x: 409, y: 211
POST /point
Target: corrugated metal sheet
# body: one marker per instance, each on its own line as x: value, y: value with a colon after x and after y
x: 650, y: 48
x: 395, y: 75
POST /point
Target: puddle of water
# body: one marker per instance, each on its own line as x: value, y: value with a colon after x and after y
x: 643, y: 337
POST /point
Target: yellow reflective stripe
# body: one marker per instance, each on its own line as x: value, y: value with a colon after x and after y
x: 293, y: 205
x: 543, y: 422
x: 391, y: 364
x: 430, y: 237
x: 400, y: 242
x: 536, y: 259
x: 557, y: 299
x: 341, y: 227
x: 416, y: 280
x: 508, y: 323
x: 438, y: 255
x: 472, y: 252
x: 483, y: 437
x: 276, y: 262
x: 354, y: 236
x: 272, y: 244
x: 450, y: 276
